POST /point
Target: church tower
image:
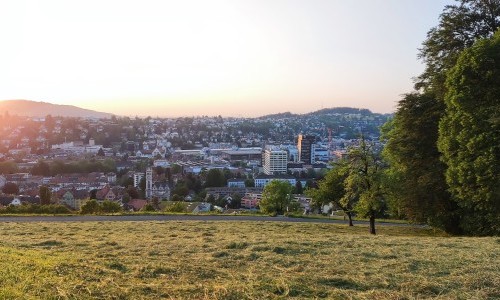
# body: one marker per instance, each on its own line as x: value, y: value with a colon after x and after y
x: 149, y: 183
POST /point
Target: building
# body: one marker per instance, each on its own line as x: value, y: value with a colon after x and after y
x: 274, y: 161
x: 305, y: 145
x: 262, y: 180
x: 236, y: 183
x: 251, y: 200
x: 149, y: 183
x: 240, y: 154
x: 137, y: 179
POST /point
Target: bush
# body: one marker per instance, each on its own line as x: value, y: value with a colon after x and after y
x: 176, y: 207
x: 90, y: 207
x: 110, y: 207
x: 51, y: 209
x: 148, y: 207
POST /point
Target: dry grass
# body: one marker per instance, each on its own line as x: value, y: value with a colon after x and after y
x: 241, y: 260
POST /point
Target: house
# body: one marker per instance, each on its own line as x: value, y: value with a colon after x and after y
x: 251, y: 200
x: 202, y: 207
x: 109, y: 193
x: 73, y: 198
x: 160, y: 190
x: 16, y: 202
x: 135, y: 204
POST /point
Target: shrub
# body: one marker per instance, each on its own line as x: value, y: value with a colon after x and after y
x: 90, y: 207
x: 148, y: 207
x: 51, y: 209
x: 110, y: 207
x: 176, y: 207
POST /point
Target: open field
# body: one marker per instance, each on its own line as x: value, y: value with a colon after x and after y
x: 241, y: 260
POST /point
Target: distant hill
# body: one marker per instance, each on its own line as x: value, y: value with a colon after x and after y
x: 279, y: 115
x: 41, y: 109
x: 325, y: 111
x: 341, y: 110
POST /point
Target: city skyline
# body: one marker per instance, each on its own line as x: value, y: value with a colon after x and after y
x: 238, y: 58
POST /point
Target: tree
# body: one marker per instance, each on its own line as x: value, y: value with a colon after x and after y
x: 132, y: 192
x: 412, y: 138
x: 332, y: 190
x: 470, y: 136
x: 176, y: 169
x: 126, y: 198
x: 142, y: 184
x: 155, y: 201
x: 459, y: 27
x: 298, y: 187
x: 181, y: 189
x: 249, y: 183
x: 45, y: 195
x: 235, y: 201
x: 110, y: 207
x: 8, y: 167
x: 415, y: 182
x: 276, y: 197
x: 41, y: 168
x: 363, y: 183
x: 93, y: 194
x: 101, y: 152
x: 215, y: 178
x: 10, y: 188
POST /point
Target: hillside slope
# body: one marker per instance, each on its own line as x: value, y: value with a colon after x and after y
x: 41, y: 109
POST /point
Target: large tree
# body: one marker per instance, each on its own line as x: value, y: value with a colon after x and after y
x: 415, y: 183
x: 363, y: 184
x: 460, y: 25
x: 331, y: 189
x: 276, y: 197
x: 470, y: 136
x: 215, y: 178
x: 412, y: 136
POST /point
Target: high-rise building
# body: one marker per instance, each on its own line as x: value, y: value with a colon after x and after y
x: 305, y: 144
x: 137, y: 179
x: 274, y: 161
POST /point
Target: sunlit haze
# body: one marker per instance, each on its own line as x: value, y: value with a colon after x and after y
x: 233, y: 58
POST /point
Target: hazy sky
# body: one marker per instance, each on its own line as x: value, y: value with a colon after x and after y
x: 209, y: 57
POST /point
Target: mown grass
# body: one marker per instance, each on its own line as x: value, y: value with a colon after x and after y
x: 242, y: 260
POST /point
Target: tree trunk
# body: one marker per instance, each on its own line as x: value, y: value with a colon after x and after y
x: 372, y: 224
x: 349, y: 215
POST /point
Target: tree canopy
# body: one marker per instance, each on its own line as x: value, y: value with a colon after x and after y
x: 276, y: 197
x: 417, y: 187
x: 469, y: 136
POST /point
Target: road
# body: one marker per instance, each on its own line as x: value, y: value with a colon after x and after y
x: 166, y: 218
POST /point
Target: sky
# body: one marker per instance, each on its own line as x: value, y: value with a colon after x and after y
x: 218, y: 57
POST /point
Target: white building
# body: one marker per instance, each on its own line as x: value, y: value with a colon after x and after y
x: 262, y: 180
x: 137, y: 179
x: 275, y: 161
x: 236, y: 183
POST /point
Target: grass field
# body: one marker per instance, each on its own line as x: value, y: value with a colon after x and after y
x: 242, y: 260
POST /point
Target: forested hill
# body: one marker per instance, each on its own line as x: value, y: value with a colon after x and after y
x: 41, y: 109
x: 321, y: 112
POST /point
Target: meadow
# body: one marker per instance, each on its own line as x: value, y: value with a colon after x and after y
x: 242, y: 260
